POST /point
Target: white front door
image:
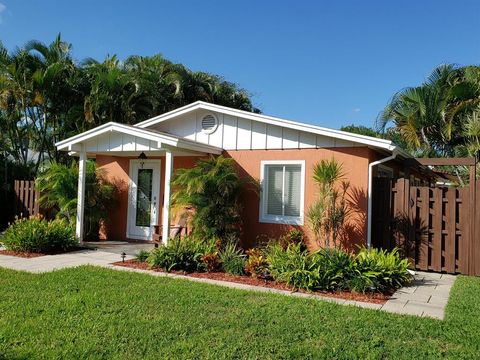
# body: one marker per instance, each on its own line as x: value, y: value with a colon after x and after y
x: 143, y: 198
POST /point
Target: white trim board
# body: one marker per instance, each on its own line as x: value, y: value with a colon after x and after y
x: 270, y: 120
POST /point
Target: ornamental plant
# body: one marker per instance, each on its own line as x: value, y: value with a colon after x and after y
x: 38, y: 235
x: 212, y: 188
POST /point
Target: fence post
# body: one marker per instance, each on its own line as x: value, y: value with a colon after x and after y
x: 472, y: 240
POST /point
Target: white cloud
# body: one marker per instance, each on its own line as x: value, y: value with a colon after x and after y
x: 356, y: 110
x: 3, y: 7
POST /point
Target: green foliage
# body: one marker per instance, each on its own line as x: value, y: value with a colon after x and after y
x: 371, y: 270
x: 430, y: 118
x: 183, y: 254
x: 257, y: 264
x: 58, y: 183
x: 293, y: 237
x: 212, y: 188
x: 232, y: 259
x: 293, y: 266
x: 382, y: 270
x: 142, y: 256
x: 328, y: 212
x: 39, y: 235
x: 47, y: 96
x: 336, y: 268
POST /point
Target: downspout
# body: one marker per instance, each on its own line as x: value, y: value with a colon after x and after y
x: 370, y: 190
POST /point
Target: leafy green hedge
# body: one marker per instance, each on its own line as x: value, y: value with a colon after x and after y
x: 371, y: 270
x: 39, y: 235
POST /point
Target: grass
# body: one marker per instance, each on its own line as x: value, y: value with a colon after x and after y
x: 91, y: 312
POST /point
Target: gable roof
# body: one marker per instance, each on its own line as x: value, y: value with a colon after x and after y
x: 383, y: 144
x: 148, y: 134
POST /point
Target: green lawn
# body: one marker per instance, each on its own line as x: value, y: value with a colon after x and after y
x: 90, y: 312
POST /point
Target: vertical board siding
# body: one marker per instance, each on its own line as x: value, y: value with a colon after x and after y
x: 237, y: 133
x: 432, y: 226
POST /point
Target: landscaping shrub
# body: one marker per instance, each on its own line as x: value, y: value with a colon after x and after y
x: 211, y: 261
x: 335, y: 268
x: 233, y: 259
x: 372, y: 270
x: 38, y: 235
x: 380, y: 270
x: 212, y: 188
x: 142, y: 256
x: 293, y: 266
x: 257, y: 264
x: 57, y: 184
x: 293, y: 237
x: 181, y: 254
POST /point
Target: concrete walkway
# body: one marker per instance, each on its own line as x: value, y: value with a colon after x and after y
x: 62, y: 261
x: 427, y: 296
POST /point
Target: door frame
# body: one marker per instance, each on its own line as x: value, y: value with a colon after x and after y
x: 134, y: 165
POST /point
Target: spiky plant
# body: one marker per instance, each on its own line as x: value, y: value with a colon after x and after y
x: 328, y: 213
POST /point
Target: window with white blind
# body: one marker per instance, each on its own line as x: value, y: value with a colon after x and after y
x: 282, y: 192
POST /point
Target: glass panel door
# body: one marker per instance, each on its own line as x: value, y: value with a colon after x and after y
x: 144, y: 197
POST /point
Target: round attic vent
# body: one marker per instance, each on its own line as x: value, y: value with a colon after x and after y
x: 209, y: 124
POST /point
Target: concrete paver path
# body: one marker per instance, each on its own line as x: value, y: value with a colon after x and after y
x: 427, y: 296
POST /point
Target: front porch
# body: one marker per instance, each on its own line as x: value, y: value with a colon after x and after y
x: 147, y: 163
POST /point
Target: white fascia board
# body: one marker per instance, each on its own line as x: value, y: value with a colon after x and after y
x: 125, y: 129
x: 338, y: 134
x: 71, y: 144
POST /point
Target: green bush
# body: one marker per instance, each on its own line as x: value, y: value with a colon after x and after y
x: 232, y: 259
x: 57, y: 184
x: 380, y: 270
x: 331, y: 269
x: 293, y: 266
x: 335, y: 267
x: 39, y: 235
x: 142, y: 256
x: 181, y: 255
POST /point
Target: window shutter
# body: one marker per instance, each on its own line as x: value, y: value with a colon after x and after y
x: 274, y: 190
x: 292, y: 190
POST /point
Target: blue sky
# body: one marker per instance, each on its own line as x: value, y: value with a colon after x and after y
x: 329, y: 63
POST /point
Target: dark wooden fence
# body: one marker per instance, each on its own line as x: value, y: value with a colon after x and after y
x: 26, y: 196
x: 435, y: 227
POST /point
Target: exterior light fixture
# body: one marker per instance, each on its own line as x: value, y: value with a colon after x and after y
x: 123, y: 255
x: 142, y: 157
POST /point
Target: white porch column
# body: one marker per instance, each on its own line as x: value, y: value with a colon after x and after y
x: 82, y: 162
x: 166, y: 196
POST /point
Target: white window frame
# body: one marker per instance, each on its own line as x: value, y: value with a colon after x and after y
x: 281, y: 219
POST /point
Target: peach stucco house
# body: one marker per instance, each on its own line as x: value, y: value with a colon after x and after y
x: 277, y: 152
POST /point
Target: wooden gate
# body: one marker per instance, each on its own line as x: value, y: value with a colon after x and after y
x: 435, y: 227
x: 26, y: 197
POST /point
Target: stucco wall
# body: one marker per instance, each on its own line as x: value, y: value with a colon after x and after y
x: 116, y: 169
x: 355, y: 164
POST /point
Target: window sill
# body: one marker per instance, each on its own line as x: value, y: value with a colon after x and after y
x: 281, y: 220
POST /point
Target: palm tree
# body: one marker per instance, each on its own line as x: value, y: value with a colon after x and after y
x: 212, y: 188
x: 419, y: 113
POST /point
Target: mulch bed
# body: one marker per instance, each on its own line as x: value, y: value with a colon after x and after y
x: 24, y: 254
x: 376, y: 298
x: 21, y: 254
